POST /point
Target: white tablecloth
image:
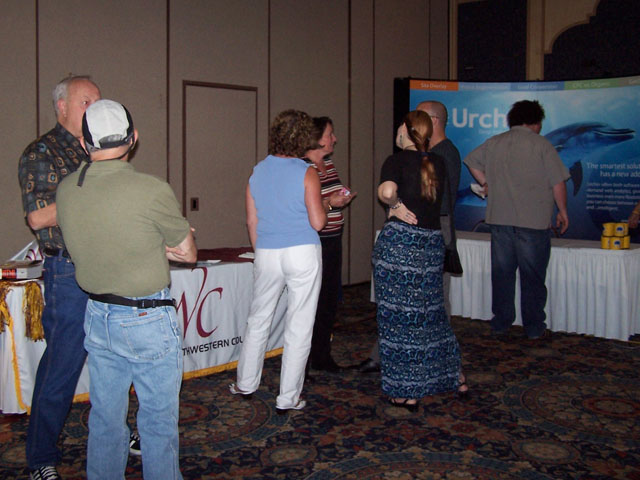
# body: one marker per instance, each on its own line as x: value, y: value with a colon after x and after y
x: 213, y: 306
x: 19, y: 357
x: 590, y: 290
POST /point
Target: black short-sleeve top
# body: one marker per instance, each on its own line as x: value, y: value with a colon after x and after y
x: 403, y: 168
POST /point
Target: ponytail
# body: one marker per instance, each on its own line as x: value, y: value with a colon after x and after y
x: 419, y: 129
x: 429, y: 180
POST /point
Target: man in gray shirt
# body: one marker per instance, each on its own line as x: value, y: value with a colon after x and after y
x: 523, y: 176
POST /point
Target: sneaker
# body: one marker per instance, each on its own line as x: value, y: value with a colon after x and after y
x: 44, y: 473
x: 233, y: 388
x: 298, y: 406
x: 134, y: 444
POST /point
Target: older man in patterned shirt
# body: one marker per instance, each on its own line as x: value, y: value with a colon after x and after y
x: 44, y: 163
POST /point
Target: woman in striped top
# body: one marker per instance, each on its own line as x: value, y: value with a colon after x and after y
x: 335, y: 197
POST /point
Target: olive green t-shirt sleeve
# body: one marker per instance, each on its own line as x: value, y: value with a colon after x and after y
x: 166, y: 215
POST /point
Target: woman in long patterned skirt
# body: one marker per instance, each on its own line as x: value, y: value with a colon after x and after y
x: 419, y: 353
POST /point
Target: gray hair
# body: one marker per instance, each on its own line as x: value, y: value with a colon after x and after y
x: 61, y: 90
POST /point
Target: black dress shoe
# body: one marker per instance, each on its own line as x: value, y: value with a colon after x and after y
x: 545, y: 336
x: 329, y: 365
x: 369, y: 366
x: 499, y: 334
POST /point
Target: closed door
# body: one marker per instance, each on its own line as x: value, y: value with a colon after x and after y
x: 220, y: 152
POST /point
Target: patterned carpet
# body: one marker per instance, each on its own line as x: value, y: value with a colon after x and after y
x: 568, y: 408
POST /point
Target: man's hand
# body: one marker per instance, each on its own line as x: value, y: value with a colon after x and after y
x: 185, y: 252
x: 562, y: 221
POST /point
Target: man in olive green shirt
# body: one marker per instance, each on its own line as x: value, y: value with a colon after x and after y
x: 121, y: 227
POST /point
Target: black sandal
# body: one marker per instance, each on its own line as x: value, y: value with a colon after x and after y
x: 463, y: 394
x: 412, y: 407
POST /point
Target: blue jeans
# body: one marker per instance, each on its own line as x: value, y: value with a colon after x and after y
x: 61, y: 363
x: 526, y: 249
x: 141, y: 346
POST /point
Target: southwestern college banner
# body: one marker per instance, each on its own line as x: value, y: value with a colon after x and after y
x: 593, y: 124
x: 213, y: 306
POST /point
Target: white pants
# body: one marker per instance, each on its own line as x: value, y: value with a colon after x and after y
x: 300, y: 269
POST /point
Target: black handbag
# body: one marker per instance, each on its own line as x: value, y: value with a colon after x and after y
x: 452, y: 263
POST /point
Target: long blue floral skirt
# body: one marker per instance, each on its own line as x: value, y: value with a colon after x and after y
x: 419, y: 353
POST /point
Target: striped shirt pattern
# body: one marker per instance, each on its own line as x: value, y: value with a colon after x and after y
x: 330, y: 183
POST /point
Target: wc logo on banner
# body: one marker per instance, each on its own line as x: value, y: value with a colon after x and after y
x: 201, y: 301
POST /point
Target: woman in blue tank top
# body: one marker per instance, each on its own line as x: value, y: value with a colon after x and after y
x: 284, y: 215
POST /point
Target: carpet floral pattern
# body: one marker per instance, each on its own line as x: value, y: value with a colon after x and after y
x: 564, y: 408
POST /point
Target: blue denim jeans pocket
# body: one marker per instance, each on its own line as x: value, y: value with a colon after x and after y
x: 136, y: 334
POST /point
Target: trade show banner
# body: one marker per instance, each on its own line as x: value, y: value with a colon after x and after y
x: 593, y: 125
x: 212, y: 305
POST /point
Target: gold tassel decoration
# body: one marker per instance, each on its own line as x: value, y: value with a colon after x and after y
x: 5, y: 316
x: 32, y: 306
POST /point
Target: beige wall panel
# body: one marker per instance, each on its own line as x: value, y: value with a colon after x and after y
x: 127, y: 62
x: 219, y: 164
x: 309, y: 58
x: 439, y: 39
x: 360, y: 229
x: 402, y: 50
x: 217, y: 41
x: 18, y: 119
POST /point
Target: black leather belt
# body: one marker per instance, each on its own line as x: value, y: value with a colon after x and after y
x: 128, y: 302
x: 54, y: 252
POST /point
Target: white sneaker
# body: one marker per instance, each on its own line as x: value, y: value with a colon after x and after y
x: 233, y: 388
x: 298, y: 406
x: 45, y: 473
x: 134, y: 444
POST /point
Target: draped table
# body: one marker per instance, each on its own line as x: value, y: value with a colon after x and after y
x: 19, y: 356
x: 213, y: 300
x: 590, y: 290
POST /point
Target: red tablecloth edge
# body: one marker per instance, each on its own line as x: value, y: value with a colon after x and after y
x: 227, y: 254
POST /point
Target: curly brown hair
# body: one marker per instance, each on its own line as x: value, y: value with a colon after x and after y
x: 292, y: 134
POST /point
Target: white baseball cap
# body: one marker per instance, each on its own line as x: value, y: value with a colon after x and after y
x: 106, y: 124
